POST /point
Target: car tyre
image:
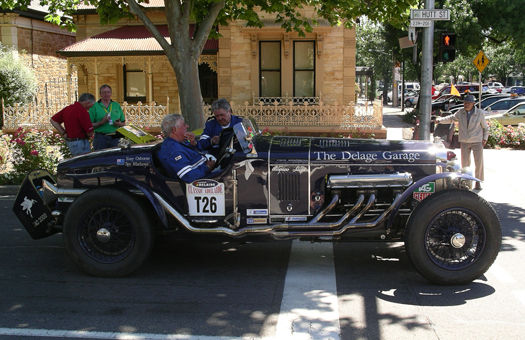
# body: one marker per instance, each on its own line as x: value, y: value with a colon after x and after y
x: 107, y: 233
x: 453, y: 237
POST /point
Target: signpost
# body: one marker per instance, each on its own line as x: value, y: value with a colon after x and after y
x: 481, y: 61
x: 430, y: 14
x: 425, y: 18
x: 420, y: 23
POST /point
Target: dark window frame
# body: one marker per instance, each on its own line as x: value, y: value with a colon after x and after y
x: 131, y: 99
x: 300, y: 69
x: 280, y: 70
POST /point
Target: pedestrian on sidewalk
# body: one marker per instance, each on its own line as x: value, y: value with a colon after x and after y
x: 77, y: 129
x: 473, y: 134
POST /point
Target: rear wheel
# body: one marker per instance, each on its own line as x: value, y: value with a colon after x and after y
x: 107, y: 233
x: 453, y: 237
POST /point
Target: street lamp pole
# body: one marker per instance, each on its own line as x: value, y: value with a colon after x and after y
x: 425, y: 94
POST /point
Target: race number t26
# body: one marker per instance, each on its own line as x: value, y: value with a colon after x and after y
x: 206, y: 204
x: 205, y: 197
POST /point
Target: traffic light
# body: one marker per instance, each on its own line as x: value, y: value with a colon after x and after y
x: 447, y: 47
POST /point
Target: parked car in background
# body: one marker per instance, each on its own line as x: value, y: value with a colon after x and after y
x: 512, y: 89
x: 514, y: 116
x: 495, y: 86
x: 491, y: 99
x: 411, y: 98
x: 461, y: 89
x: 519, y: 90
x: 503, y: 105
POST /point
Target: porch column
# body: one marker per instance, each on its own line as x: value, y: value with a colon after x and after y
x: 150, y: 81
x: 97, y: 94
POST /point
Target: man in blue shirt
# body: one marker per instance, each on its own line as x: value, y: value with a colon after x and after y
x: 223, y: 119
x: 179, y: 159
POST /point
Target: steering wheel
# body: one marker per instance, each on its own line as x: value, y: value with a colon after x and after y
x: 225, y: 140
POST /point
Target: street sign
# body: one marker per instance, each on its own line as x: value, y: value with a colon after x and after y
x: 430, y: 14
x: 420, y: 23
x: 481, y: 61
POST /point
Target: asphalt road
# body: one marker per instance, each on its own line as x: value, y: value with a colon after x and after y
x: 279, y: 290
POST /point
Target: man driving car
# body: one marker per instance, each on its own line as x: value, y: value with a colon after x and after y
x: 176, y: 156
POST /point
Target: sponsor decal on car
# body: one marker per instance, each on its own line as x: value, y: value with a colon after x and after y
x: 205, y: 198
x: 256, y: 212
x: 295, y: 218
x: 256, y: 220
x: 424, y: 191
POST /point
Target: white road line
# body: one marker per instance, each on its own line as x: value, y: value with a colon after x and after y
x: 56, y: 333
x: 309, y: 309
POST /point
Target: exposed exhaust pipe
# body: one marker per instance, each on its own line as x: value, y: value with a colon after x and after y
x: 331, y: 228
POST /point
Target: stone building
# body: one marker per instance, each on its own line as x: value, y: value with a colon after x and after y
x: 244, y: 65
x: 37, y: 43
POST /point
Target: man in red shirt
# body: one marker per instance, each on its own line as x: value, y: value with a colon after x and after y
x: 78, y: 128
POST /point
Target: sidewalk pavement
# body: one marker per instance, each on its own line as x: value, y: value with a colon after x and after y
x: 393, y: 121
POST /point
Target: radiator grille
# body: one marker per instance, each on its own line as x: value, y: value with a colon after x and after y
x: 289, y: 187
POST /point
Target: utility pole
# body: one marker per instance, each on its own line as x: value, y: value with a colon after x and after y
x: 425, y: 94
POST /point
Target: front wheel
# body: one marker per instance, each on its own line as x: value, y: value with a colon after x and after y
x: 107, y: 233
x: 453, y: 237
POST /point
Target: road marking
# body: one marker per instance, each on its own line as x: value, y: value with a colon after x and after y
x: 309, y: 309
x: 56, y: 333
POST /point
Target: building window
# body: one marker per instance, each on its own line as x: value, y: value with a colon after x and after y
x: 134, y: 85
x: 270, y: 68
x: 304, y: 69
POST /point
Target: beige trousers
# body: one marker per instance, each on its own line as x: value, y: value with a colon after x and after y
x: 477, y: 150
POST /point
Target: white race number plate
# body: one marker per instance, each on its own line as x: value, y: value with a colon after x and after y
x: 205, y: 198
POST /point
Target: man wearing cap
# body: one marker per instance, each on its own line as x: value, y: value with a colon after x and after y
x: 473, y: 134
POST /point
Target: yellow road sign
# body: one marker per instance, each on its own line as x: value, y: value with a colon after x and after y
x: 481, y: 61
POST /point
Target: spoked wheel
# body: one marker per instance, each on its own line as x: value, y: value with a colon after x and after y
x: 453, y: 237
x: 107, y: 233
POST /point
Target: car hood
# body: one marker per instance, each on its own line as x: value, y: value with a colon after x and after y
x: 350, y: 151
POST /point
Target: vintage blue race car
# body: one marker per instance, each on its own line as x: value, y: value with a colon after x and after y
x: 110, y: 204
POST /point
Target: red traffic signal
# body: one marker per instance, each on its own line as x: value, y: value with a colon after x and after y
x: 448, y: 39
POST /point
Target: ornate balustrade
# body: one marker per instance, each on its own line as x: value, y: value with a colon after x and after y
x: 334, y: 117
x: 303, y: 117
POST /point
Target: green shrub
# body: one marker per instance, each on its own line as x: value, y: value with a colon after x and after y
x: 17, y: 81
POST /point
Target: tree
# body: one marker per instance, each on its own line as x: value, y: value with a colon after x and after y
x: 17, y: 81
x: 503, y: 61
x: 183, y: 50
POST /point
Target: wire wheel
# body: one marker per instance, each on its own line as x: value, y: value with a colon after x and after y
x: 455, y: 238
x: 106, y: 235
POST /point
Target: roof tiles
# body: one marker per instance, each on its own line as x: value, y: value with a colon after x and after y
x: 125, y: 40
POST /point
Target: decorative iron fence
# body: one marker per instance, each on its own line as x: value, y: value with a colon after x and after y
x: 38, y: 116
x: 343, y: 117
x: 340, y: 117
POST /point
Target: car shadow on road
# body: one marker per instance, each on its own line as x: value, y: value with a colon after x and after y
x: 511, y: 226
x: 379, y: 277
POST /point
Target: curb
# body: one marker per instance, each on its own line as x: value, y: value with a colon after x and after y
x: 9, y: 189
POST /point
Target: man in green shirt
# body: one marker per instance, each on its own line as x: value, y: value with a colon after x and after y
x: 106, y: 116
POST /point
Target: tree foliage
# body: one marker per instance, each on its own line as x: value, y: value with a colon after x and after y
x: 183, y: 50
x: 17, y: 81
